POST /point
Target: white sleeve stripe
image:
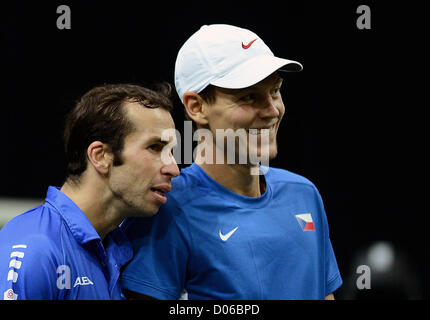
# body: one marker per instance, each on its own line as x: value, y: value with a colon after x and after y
x: 17, y: 254
x: 19, y: 246
x: 15, y: 264
x: 12, y: 275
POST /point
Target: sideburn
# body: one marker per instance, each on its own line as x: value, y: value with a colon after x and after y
x: 117, y: 159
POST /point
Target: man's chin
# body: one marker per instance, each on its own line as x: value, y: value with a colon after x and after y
x: 151, y: 212
x: 262, y: 157
x: 273, y: 155
x: 143, y: 212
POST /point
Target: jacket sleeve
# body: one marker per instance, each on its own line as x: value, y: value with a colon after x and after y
x: 27, y: 269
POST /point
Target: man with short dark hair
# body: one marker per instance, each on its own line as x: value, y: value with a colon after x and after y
x: 228, y: 232
x: 70, y: 247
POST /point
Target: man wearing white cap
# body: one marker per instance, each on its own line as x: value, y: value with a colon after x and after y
x: 226, y: 232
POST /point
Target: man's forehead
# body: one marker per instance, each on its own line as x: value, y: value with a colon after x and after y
x: 148, y: 118
x: 153, y: 135
x: 155, y: 132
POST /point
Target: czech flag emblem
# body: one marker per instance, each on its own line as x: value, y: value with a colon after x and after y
x: 305, y: 221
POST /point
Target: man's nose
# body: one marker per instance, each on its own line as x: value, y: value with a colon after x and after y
x: 268, y: 108
x: 171, y: 168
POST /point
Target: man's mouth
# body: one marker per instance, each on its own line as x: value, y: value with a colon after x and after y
x: 160, y: 192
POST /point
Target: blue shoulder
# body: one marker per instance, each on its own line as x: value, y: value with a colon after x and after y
x: 38, y: 226
x: 285, y: 176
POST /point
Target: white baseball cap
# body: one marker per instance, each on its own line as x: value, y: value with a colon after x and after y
x: 225, y: 56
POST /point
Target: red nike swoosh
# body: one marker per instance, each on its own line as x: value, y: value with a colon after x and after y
x: 248, y: 45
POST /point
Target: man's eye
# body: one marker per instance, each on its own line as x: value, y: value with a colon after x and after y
x: 276, y: 91
x: 248, y: 97
x: 156, y: 147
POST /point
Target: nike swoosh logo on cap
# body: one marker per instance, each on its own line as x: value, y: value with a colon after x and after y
x: 228, y: 235
x: 248, y: 45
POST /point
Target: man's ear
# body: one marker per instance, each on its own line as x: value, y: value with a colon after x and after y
x: 194, y: 106
x: 100, y: 156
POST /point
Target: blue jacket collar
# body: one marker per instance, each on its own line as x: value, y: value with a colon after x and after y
x: 77, y: 221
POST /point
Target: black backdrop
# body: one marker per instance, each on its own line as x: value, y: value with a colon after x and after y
x: 348, y: 115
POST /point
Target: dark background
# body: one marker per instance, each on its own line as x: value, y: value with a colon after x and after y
x: 350, y: 117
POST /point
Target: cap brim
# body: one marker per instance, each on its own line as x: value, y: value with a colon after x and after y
x: 254, y: 70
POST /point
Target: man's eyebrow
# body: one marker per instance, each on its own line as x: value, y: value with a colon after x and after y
x: 157, y: 139
x: 279, y: 80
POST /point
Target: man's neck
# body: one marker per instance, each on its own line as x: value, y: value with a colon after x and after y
x: 236, y: 178
x: 93, y: 204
